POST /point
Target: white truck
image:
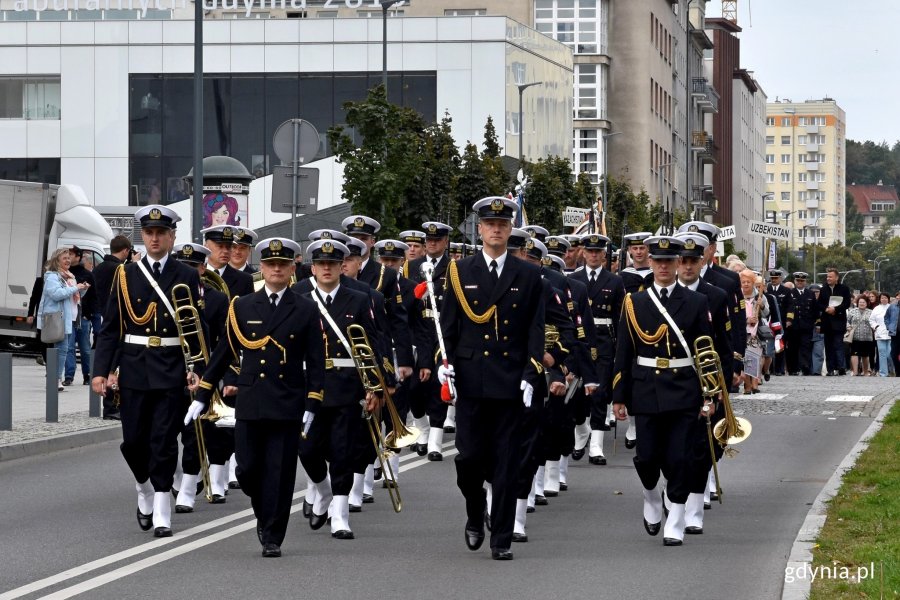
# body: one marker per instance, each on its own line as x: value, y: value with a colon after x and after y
x: 35, y: 220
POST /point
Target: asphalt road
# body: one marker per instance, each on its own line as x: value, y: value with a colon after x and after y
x: 67, y: 527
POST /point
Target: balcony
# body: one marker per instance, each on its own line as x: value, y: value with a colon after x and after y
x: 811, y: 129
x: 812, y: 203
x: 702, y: 198
x: 705, y: 95
x: 812, y: 185
x: 702, y: 143
x: 812, y: 166
x: 812, y: 147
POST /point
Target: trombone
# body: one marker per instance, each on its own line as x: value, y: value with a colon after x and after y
x: 193, y: 346
x: 730, y: 430
x: 372, y: 380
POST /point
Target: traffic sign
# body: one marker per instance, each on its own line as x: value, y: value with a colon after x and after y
x: 469, y: 228
x: 727, y: 233
x: 768, y: 230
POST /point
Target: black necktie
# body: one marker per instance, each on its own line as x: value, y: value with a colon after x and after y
x: 328, y: 300
x: 664, y: 295
x: 156, y: 270
x: 593, y: 276
x: 273, y: 300
x: 434, y: 262
x: 494, y: 270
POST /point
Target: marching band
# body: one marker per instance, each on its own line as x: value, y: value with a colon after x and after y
x: 529, y: 347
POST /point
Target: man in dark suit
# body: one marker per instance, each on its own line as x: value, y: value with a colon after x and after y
x: 119, y: 250
x: 339, y: 436
x: 274, y: 334
x: 429, y: 411
x: 784, y: 296
x: 141, y: 340
x: 219, y: 240
x: 493, y: 326
x: 606, y: 292
x: 689, y: 277
x: 219, y: 440
x: 802, y: 321
x: 834, y: 300
x: 243, y: 241
x: 656, y: 382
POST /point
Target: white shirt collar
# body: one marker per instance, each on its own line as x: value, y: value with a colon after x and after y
x: 280, y: 294
x: 704, y: 269
x: 591, y: 271
x: 693, y: 287
x: 332, y: 294
x: 659, y: 288
x: 161, y: 261
x: 218, y: 270
x: 501, y: 260
x: 437, y: 260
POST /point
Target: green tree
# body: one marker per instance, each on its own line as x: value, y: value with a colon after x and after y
x: 623, y: 201
x: 491, y: 141
x: 471, y: 183
x: 430, y: 197
x: 546, y: 194
x: 378, y: 172
x: 585, y: 192
x: 852, y: 218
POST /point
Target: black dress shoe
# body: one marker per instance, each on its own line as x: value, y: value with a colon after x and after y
x: 563, y: 487
x: 271, y: 551
x: 174, y: 493
x: 199, y: 488
x: 368, y: 498
x: 693, y: 530
x: 355, y: 508
x: 317, y: 521
x: 435, y: 456
x: 388, y: 483
x: 343, y: 534
x: 630, y: 443
x: 707, y: 506
x: 449, y: 429
x: 87, y: 381
x: 766, y: 376
x: 181, y: 509
x: 234, y: 485
x: 540, y: 500
x: 145, y: 522
x: 421, y: 449
x: 474, y: 538
x: 597, y: 460
x: 307, y: 509
x: 671, y: 542
x: 218, y: 499
x: 501, y: 554
x: 378, y: 474
x: 578, y: 453
x: 842, y: 372
x: 530, y: 510
x: 67, y: 382
x: 652, y: 528
x: 519, y: 538
x: 162, y: 532
x: 112, y: 417
x: 714, y: 497
x: 550, y: 494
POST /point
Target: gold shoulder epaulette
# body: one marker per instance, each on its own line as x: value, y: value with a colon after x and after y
x: 481, y: 319
x: 246, y: 343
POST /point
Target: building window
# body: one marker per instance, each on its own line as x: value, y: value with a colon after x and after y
x: 332, y: 14
x: 770, y: 159
x: 586, y: 92
x: 770, y: 121
x: 876, y: 220
x: 785, y: 178
x: 785, y: 121
x: 785, y: 196
x: 39, y: 170
x: 785, y: 140
x: 770, y: 177
x: 372, y: 14
x: 29, y: 98
x: 465, y: 12
x: 770, y: 140
x: 802, y: 177
x: 785, y: 159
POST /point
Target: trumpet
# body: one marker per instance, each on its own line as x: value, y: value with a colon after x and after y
x: 196, y: 353
x: 373, y: 381
x: 730, y: 430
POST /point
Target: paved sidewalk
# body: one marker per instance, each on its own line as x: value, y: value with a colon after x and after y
x: 31, y: 434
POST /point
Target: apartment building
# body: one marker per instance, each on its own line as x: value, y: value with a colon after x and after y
x: 806, y: 169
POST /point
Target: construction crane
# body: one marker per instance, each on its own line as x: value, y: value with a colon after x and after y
x: 729, y: 10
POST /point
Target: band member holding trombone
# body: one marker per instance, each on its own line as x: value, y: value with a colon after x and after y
x: 274, y: 333
x: 139, y: 337
x: 492, y: 320
x: 335, y: 441
x: 655, y: 380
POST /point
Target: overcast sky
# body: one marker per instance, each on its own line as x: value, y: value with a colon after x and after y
x: 848, y: 50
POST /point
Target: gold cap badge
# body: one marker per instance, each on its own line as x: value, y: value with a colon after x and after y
x: 155, y: 214
x: 663, y: 243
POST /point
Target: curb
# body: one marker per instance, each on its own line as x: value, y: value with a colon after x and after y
x: 800, y: 559
x: 63, y: 441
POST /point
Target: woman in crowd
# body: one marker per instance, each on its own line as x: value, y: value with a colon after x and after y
x: 757, y: 309
x: 764, y: 329
x: 61, y: 294
x: 862, y: 341
x: 878, y: 319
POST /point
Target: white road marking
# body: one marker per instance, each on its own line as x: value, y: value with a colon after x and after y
x: 759, y: 396
x: 95, y: 582
x: 827, y: 412
x: 848, y: 398
x: 855, y: 413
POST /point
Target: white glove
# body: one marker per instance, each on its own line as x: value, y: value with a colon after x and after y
x: 194, y: 411
x: 445, y: 373
x: 527, y: 393
x: 307, y: 422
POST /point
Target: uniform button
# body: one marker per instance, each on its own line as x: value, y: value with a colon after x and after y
x: 280, y: 362
x: 505, y: 338
x: 165, y: 331
x: 292, y: 336
x: 166, y: 315
x: 148, y: 330
x: 337, y: 353
x: 515, y: 305
x: 657, y: 371
x: 280, y: 376
x: 487, y: 337
x: 138, y: 299
x: 475, y: 302
x: 486, y: 353
x: 262, y: 375
x: 506, y: 354
x: 262, y: 361
x: 252, y: 334
x: 656, y: 345
x: 674, y: 370
x: 505, y: 322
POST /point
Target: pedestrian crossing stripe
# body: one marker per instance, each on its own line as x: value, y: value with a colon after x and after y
x: 759, y: 397
x: 848, y: 398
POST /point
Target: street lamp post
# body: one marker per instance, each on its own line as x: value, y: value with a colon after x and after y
x: 604, y: 137
x: 385, y: 5
x: 878, y: 262
x: 662, y: 186
x: 852, y: 246
x: 522, y: 87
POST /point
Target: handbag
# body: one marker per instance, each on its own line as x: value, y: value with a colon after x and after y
x: 765, y: 332
x: 53, y: 329
x: 848, y: 337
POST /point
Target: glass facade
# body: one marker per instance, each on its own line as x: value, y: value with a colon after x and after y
x: 40, y: 170
x: 240, y: 115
